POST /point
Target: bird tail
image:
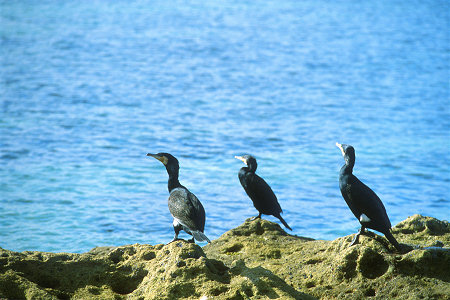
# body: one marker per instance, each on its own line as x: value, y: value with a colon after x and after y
x: 200, y: 236
x: 283, y: 221
x: 393, y: 241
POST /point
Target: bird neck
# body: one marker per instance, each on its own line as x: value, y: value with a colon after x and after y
x: 173, y: 182
x: 252, y: 167
x: 348, y: 167
x: 248, y: 169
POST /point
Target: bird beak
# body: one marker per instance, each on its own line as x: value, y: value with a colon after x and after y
x: 241, y: 158
x: 340, y: 147
x: 162, y: 159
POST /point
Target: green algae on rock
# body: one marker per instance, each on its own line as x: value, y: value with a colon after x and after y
x: 179, y: 270
x: 333, y: 270
x: 256, y: 260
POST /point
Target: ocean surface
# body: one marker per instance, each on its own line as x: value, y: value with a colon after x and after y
x: 89, y: 87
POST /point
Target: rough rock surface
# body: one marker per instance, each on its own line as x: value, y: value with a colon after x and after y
x: 257, y: 260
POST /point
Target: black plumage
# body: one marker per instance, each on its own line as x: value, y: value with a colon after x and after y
x: 258, y: 190
x: 187, y: 211
x: 362, y: 201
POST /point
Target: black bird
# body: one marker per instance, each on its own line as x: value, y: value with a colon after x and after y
x: 187, y: 211
x: 362, y: 201
x: 258, y: 190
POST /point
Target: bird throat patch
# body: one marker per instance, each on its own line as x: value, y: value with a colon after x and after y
x: 163, y: 159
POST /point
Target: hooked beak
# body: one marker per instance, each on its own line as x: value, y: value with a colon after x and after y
x: 241, y: 158
x: 340, y: 147
x: 162, y: 159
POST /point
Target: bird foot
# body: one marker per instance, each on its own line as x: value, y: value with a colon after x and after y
x: 355, y: 240
x: 257, y: 217
x: 178, y: 239
x: 174, y: 240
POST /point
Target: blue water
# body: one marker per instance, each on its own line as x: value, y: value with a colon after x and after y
x: 88, y: 88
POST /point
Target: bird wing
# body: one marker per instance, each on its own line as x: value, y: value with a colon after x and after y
x: 185, y: 207
x: 264, y: 198
x: 367, y: 202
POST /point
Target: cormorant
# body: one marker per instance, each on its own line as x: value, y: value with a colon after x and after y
x: 258, y: 190
x: 187, y: 211
x: 362, y: 201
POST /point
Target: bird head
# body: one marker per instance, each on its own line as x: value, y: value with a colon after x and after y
x: 168, y: 160
x: 347, y: 151
x: 249, y: 160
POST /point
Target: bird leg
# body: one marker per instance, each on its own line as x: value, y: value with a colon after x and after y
x: 355, y: 240
x: 257, y: 217
x: 177, y: 230
x: 190, y: 233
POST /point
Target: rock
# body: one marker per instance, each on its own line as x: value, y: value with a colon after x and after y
x: 257, y: 260
x: 423, y: 231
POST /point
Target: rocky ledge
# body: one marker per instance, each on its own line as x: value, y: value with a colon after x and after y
x: 257, y: 260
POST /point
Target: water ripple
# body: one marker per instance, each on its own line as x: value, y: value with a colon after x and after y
x: 88, y: 89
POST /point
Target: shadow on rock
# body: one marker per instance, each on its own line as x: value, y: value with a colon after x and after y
x: 266, y: 284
